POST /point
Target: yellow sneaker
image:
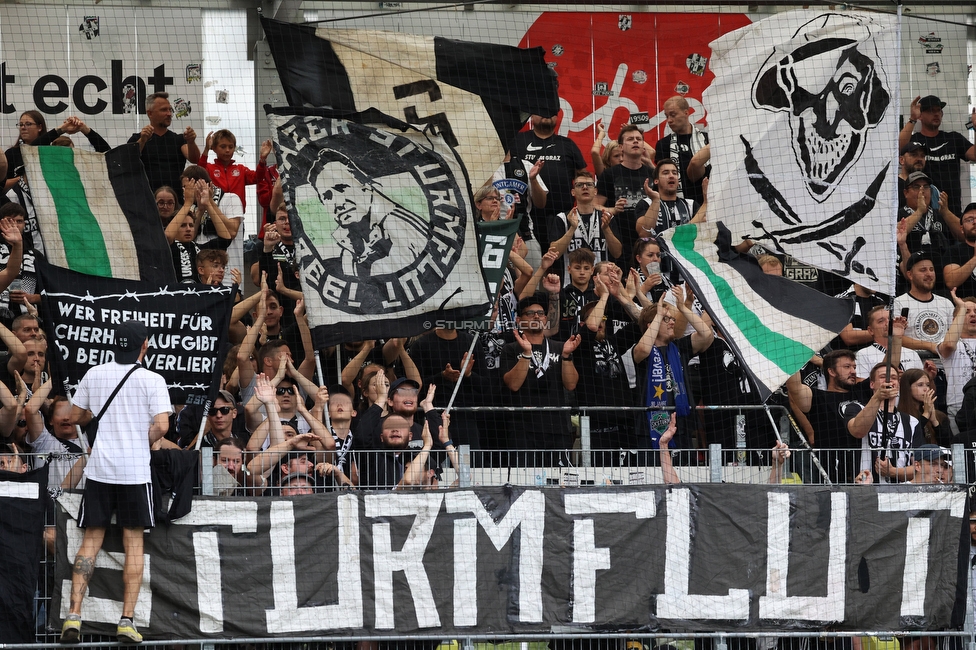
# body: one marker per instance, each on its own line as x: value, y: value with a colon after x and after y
x: 71, y: 629
x: 126, y: 632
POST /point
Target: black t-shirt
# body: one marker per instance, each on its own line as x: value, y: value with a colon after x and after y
x: 562, y: 160
x: 602, y: 377
x: 662, y: 150
x: 543, y: 386
x: 164, y: 161
x: 622, y: 182
x: 432, y: 354
x: 828, y: 415
x: 571, y: 303
x: 945, y: 150
x: 960, y: 253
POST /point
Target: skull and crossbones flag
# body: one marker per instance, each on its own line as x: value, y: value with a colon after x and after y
x: 803, y: 125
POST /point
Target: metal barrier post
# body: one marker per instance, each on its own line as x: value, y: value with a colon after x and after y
x: 585, y: 443
x: 206, y: 464
x: 464, y: 469
x: 959, y: 464
x: 715, y: 463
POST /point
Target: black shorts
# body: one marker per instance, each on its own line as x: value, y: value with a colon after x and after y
x: 132, y: 505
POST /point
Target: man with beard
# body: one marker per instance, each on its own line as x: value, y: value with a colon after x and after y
x: 829, y: 411
x: 663, y: 208
x: 959, y: 271
x: 681, y: 145
x: 945, y: 148
x: 278, y: 252
x: 929, y: 315
x: 621, y: 189
x: 537, y: 372
x: 911, y: 158
x: 563, y: 160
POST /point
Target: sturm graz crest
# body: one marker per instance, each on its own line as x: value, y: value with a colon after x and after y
x: 382, y: 222
x: 830, y: 81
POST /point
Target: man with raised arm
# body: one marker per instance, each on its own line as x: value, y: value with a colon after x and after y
x: 944, y: 148
x: 164, y: 153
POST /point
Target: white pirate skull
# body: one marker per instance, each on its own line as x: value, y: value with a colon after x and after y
x: 834, y: 93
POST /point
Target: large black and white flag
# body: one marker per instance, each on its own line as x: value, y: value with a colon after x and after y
x: 382, y: 219
x: 476, y: 95
x: 803, y: 126
x: 187, y: 328
x: 524, y: 561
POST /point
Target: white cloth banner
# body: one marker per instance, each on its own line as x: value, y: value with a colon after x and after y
x: 803, y: 124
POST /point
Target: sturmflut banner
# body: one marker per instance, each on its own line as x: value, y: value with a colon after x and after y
x: 382, y: 220
x: 525, y: 560
x: 187, y: 328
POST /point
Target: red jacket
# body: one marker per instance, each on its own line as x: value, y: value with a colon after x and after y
x: 233, y: 177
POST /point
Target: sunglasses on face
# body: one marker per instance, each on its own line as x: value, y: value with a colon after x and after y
x: 223, y: 410
x: 285, y: 390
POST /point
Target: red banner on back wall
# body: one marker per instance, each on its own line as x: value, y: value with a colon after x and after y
x: 612, y: 66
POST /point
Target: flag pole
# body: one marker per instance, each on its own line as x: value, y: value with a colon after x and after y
x: 464, y: 367
x: 803, y: 439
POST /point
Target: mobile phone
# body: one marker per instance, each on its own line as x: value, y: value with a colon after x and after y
x: 16, y: 285
x: 653, y: 268
x: 935, y: 198
x: 904, y: 312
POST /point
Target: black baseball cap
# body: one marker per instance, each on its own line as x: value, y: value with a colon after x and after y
x: 129, y: 337
x: 913, y: 146
x: 929, y: 102
x: 916, y: 257
x: 917, y: 176
x: 402, y: 381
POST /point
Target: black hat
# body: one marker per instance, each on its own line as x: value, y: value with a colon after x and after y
x: 917, y: 257
x: 917, y: 176
x: 535, y: 299
x: 129, y: 337
x: 929, y: 102
x: 913, y: 146
x: 402, y: 381
x: 286, y: 479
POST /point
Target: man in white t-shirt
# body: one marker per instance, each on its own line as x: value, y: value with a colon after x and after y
x: 118, y: 476
x: 929, y: 315
x: 875, y: 353
x: 958, y: 352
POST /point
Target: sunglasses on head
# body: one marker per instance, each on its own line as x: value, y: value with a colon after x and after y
x: 223, y: 410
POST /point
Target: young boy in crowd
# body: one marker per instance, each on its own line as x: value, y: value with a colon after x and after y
x: 224, y: 172
x: 577, y: 292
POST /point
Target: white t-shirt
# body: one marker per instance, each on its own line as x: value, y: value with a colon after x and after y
x: 232, y: 208
x: 62, y: 459
x: 872, y: 355
x: 121, y: 451
x: 960, y: 367
x: 927, y: 320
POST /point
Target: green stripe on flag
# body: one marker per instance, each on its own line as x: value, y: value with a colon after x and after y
x: 786, y: 353
x: 84, y: 247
